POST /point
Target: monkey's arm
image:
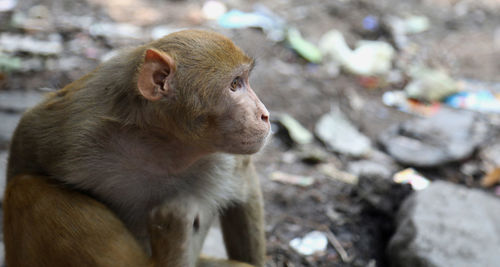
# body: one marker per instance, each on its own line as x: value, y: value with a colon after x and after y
x: 243, y: 223
x: 48, y: 225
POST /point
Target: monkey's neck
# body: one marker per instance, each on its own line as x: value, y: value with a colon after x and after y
x: 161, y: 149
x: 182, y: 156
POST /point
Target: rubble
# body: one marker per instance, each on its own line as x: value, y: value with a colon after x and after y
x: 340, y: 135
x: 21, y: 43
x: 427, y: 142
x: 447, y: 225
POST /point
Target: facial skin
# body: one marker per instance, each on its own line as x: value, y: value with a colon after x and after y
x: 245, y: 120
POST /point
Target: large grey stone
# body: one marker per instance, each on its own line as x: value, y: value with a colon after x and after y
x: 447, y: 225
x: 450, y: 135
x: 339, y: 135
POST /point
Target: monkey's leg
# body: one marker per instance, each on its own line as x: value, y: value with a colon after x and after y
x: 243, y: 223
x: 210, y: 262
x: 48, y: 225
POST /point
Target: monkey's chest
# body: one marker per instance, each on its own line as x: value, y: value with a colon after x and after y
x: 206, y: 187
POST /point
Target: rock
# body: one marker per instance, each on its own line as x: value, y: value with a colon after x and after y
x: 9, y: 124
x: 19, y: 101
x: 378, y: 165
x: 450, y: 135
x: 447, y: 225
x: 22, y: 43
x: 369, y: 168
x: 341, y: 136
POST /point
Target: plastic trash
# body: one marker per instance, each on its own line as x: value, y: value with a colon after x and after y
x: 430, y: 84
x: 369, y: 58
x: 7, y: 5
x: 399, y: 100
x: 401, y: 27
x: 304, y: 48
x: 212, y: 10
x: 412, y: 177
x: 312, y: 243
x: 296, y: 131
x: 261, y: 18
x: 370, y: 23
x: 8, y: 63
x: 483, y: 101
x: 331, y: 171
x: 287, y: 178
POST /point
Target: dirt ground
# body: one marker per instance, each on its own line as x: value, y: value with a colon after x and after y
x: 463, y: 38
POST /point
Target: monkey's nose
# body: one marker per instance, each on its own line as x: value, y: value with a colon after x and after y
x: 264, y: 117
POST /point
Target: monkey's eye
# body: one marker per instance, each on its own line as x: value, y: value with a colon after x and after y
x: 235, y: 83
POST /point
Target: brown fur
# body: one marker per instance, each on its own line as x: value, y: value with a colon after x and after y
x: 149, y: 130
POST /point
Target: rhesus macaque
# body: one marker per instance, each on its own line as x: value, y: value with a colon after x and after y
x: 130, y: 164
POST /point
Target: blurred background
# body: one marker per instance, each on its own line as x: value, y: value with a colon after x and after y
x: 385, y: 114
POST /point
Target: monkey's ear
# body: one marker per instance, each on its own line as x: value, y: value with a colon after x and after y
x: 152, y: 80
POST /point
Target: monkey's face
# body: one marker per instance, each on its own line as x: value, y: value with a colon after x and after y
x: 243, y: 125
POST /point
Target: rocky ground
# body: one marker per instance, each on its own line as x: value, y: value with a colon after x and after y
x: 338, y: 139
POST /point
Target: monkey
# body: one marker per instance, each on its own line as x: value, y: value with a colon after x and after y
x: 130, y: 164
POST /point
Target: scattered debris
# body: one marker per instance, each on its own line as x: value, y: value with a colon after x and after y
x: 369, y: 58
x: 116, y: 30
x: 412, y: 177
x: 331, y: 171
x: 483, y: 101
x: 313, y: 154
x: 296, y: 131
x: 22, y: 43
x: 8, y: 63
x: 399, y: 28
x: 212, y: 10
x: 261, y: 18
x: 448, y: 136
x: 313, y: 243
x: 430, y: 84
x: 7, y: 5
x: 340, y: 135
x: 287, y: 178
x: 338, y: 246
x: 399, y: 100
x: 447, y: 225
x: 371, y: 23
x: 304, y: 48
x: 369, y: 168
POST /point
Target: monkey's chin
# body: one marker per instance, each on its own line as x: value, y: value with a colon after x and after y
x: 247, y: 148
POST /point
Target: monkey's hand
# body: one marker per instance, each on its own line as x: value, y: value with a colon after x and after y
x: 171, y: 228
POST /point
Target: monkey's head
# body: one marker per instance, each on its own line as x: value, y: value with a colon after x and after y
x: 197, y: 84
